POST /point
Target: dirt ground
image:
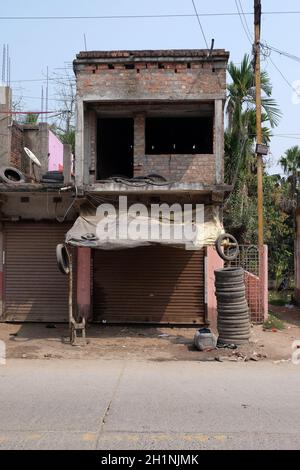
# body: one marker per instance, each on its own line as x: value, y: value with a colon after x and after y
x: 46, y: 341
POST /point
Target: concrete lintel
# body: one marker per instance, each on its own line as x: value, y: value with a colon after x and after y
x: 171, y: 187
x: 96, y: 98
x: 31, y: 188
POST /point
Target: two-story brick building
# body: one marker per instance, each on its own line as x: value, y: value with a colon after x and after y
x: 149, y: 127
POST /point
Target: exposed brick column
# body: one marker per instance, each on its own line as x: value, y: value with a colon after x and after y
x: 139, y: 143
x: 83, y: 294
x: 219, y: 141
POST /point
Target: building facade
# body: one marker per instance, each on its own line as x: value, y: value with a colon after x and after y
x: 149, y: 128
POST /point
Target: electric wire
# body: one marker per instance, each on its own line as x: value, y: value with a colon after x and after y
x: 284, y: 77
x: 242, y: 22
x: 117, y: 17
x: 200, y: 25
x: 245, y: 20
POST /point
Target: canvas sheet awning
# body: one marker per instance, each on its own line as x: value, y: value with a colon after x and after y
x: 122, y: 231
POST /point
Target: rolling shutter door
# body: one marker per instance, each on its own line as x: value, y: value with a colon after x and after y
x: 152, y: 284
x: 35, y: 290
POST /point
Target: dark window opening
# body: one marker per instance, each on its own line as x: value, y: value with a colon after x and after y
x: 192, y: 135
x: 115, y: 148
x: 129, y: 66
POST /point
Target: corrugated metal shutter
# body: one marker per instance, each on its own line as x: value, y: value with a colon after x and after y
x: 152, y: 284
x: 35, y: 290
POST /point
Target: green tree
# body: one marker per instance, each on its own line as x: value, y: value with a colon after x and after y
x: 290, y: 163
x: 278, y: 224
x: 240, y: 215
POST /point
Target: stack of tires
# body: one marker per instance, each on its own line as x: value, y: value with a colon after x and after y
x: 233, y: 311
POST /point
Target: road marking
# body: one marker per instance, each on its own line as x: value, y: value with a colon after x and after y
x: 220, y: 437
x: 34, y: 436
x: 88, y: 437
x: 195, y: 437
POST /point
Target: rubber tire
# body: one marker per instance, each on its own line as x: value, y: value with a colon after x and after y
x: 233, y: 318
x: 224, y: 331
x: 225, y: 305
x: 225, y: 340
x: 231, y: 290
x: 228, y: 296
x: 225, y: 285
x: 228, y: 314
x: 62, y: 258
x: 240, y: 325
x: 229, y: 272
x: 218, y: 245
x: 18, y: 173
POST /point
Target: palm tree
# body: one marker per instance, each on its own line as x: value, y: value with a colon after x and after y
x: 290, y: 163
x: 241, y: 94
x: 240, y: 161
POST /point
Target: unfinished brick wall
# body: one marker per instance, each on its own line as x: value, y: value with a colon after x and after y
x: 178, y: 168
x: 160, y: 81
x: 147, y: 77
x: 175, y: 168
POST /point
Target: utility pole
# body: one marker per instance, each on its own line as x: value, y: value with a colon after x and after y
x: 257, y: 23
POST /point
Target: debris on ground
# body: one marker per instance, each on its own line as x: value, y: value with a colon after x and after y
x: 152, y: 343
x: 228, y: 345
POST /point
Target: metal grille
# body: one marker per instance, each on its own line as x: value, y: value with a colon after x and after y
x: 249, y: 260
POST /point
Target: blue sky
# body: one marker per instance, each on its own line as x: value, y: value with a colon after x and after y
x: 36, y: 44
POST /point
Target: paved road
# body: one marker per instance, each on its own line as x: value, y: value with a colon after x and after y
x: 89, y: 404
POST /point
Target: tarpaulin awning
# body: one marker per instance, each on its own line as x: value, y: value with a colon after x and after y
x: 127, y: 230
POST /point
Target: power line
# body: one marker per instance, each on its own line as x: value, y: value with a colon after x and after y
x: 286, y: 54
x: 200, y: 25
x: 58, y: 80
x: 112, y: 17
x: 287, y: 137
x: 245, y: 26
x: 38, y: 98
x: 284, y: 77
x: 245, y: 20
x: 33, y: 112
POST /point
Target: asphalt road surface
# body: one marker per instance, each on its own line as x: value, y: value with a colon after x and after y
x: 98, y: 404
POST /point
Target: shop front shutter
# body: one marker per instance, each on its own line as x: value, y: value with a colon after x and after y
x: 152, y: 284
x: 34, y: 288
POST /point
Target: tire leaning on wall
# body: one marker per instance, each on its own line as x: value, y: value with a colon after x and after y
x: 62, y: 258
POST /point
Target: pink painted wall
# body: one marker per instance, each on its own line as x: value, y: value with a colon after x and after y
x: 265, y: 281
x: 56, y: 151
x: 212, y: 262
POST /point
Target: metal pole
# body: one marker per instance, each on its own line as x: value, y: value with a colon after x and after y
x: 257, y: 23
